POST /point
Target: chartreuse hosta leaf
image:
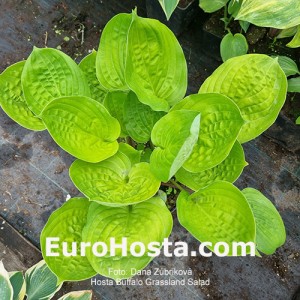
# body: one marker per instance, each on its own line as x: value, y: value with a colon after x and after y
x: 111, y: 56
x: 88, y: 66
x: 115, y: 181
x: 18, y: 284
x: 156, y: 69
x: 217, y: 213
x: 295, y: 42
x: 174, y: 135
x: 83, y: 127
x: 168, y: 6
x: 233, y: 45
x: 139, y: 118
x: 78, y: 295
x: 133, y: 154
x: 49, y: 74
x: 146, y: 222
x: 210, y: 6
x: 257, y: 84
x: 228, y: 170
x: 115, y: 104
x: 6, y: 289
x: 221, y: 122
x: 270, y: 13
x: 270, y: 231
x: 12, y: 100
x: 66, y: 223
x: 41, y: 283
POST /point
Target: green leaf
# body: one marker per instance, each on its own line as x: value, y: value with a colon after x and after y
x: 115, y: 104
x: 233, y: 45
x: 221, y: 123
x: 83, y: 127
x: 228, y: 170
x: 115, y: 181
x: 270, y: 13
x: 175, y: 135
x: 168, y: 6
x: 12, y: 99
x: 288, y: 66
x: 66, y: 223
x: 133, y: 155
x: 6, y: 289
x: 234, y: 7
x: 284, y: 33
x: 270, y: 231
x: 217, y: 213
x: 18, y: 284
x: 257, y: 84
x: 210, y: 6
x: 294, y: 85
x: 79, y: 295
x: 111, y: 56
x: 139, y: 118
x: 41, y: 283
x: 245, y: 25
x: 49, y: 74
x: 298, y: 121
x: 156, y: 69
x: 146, y: 222
x: 88, y: 66
x: 295, y: 42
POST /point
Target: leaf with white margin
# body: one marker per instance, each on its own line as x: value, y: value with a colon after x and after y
x: 174, y: 136
x: 257, y: 84
x: 18, y: 284
x: 217, y: 213
x: 88, y: 66
x: 270, y: 231
x: 12, y: 100
x: 221, y: 122
x: 133, y: 154
x: 156, y: 69
x: 228, y: 170
x: 139, y: 118
x: 115, y: 104
x: 115, y: 181
x: 49, y: 74
x: 79, y: 295
x: 270, y: 13
x: 111, y: 55
x: 66, y: 223
x: 41, y: 283
x: 146, y: 222
x: 6, y: 289
x: 82, y: 127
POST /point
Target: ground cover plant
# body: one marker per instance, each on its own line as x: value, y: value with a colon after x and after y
x: 122, y: 113
x: 39, y: 283
x: 264, y: 13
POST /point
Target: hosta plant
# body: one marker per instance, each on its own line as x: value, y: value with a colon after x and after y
x: 122, y: 113
x: 39, y: 283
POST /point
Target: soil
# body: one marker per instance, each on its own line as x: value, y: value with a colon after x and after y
x: 184, y: 3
